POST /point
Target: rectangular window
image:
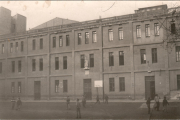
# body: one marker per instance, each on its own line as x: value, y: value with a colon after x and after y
x: 86, y: 38
x: 121, y: 84
x: 33, y: 64
x: 12, y: 87
x: 110, y: 31
x: 19, y: 87
x: 13, y: 66
x: 79, y: 38
x: 54, y: 42
x: 177, y: 53
x: 11, y: 47
x: 41, y: 43
x: 60, y: 41
x: 22, y: 46
x: 147, y: 30
x: 34, y: 44
x: 40, y: 64
x: 56, y: 86
x: 2, y: 48
x: 178, y: 82
x: 17, y: 46
x: 120, y: 34
x: 143, y: 56
x: 121, y: 58
x: 156, y: 29
x: 111, y: 59
x: 94, y: 36
x: 56, y: 63
x: 82, y: 61
x: 0, y: 67
x: 65, y: 86
x: 65, y: 62
x: 154, y: 55
x: 111, y: 85
x: 67, y: 40
x: 91, y: 56
x: 19, y: 66
x: 138, y: 31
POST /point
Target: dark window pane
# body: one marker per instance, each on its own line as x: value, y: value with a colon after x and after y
x: 111, y: 59
x: 65, y: 86
x: 56, y: 63
x: 111, y: 84
x: 91, y: 56
x: 82, y: 61
x: 65, y: 62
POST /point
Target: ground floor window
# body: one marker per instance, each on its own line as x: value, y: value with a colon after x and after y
x: 121, y: 84
x: 65, y: 86
x: 19, y: 87
x: 178, y: 82
x: 56, y: 86
x: 12, y: 87
x: 111, y: 85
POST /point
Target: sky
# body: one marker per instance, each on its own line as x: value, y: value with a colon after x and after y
x: 38, y: 12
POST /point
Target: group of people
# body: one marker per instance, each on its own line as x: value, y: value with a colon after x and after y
x: 157, y: 104
x: 17, y: 102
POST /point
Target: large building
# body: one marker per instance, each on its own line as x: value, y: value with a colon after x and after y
x: 125, y: 52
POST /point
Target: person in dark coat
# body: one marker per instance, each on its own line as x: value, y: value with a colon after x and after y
x: 19, y: 104
x: 148, y: 102
x: 13, y: 102
x: 68, y: 102
x: 106, y: 98
x: 78, y: 108
x: 97, y: 99
x: 157, y: 102
x: 165, y: 103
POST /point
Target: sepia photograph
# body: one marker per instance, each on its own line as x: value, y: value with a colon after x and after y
x: 90, y: 59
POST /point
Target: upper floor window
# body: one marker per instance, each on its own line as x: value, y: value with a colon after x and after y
x: 33, y: 64
x: 111, y: 59
x: 19, y: 66
x: 156, y: 29
x: 120, y: 34
x: 94, y: 36
x: 67, y: 40
x: 54, y: 42
x: 13, y: 66
x: 41, y: 43
x: 177, y: 53
x: 17, y: 46
x: 82, y: 61
x: 60, y: 41
x: 138, y: 31
x: 34, y: 44
x: 110, y: 35
x: 121, y: 58
x: 11, y: 47
x: 91, y: 56
x: 65, y: 62
x: 22, y: 46
x: 40, y: 64
x: 143, y: 56
x: 0, y: 67
x: 56, y: 63
x: 2, y: 48
x: 154, y: 55
x: 147, y: 30
x: 86, y: 38
x: 79, y: 38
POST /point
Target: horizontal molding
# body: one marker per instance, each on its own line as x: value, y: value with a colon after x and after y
x: 87, y: 49
x: 119, y: 46
x: 61, y: 75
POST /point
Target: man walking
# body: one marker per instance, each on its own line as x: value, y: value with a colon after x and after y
x: 165, y: 103
x: 19, y: 104
x: 157, y: 102
x: 68, y: 102
x: 97, y: 99
x: 106, y: 99
x: 148, y: 102
x: 78, y: 106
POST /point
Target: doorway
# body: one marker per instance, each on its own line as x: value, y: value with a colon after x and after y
x: 149, y: 87
x: 87, y: 89
x: 37, y: 90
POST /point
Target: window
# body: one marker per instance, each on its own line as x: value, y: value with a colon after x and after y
x: 13, y: 66
x: 19, y: 87
x: 147, y: 30
x: 82, y: 61
x: 34, y: 44
x: 156, y: 29
x: 111, y: 59
x: 19, y: 66
x: 40, y: 64
x: 177, y: 53
x: 121, y: 84
x: 121, y: 58
x: 111, y: 85
x: 2, y: 48
x: 65, y: 86
x: 86, y: 38
x: 11, y: 47
x: 22, y: 46
x: 79, y: 38
x: 12, y: 87
x: 94, y: 36
x: 138, y: 31
x: 54, y: 42
x: 0, y: 67
x: 56, y: 63
x: 120, y: 34
x: 91, y: 56
x: 41, y: 43
x: 60, y: 41
x: 33, y: 64
x: 154, y: 55
x: 178, y: 82
x: 110, y: 35
x: 17, y: 46
x: 143, y: 56
x: 56, y: 86
x: 65, y: 62
x: 67, y: 40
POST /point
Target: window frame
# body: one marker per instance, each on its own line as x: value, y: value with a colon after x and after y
x: 56, y: 86
x: 111, y: 59
x: 2, y: 48
x: 11, y: 47
x: 120, y: 33
x: 82, y: 60
x: 94, y: 36
x: 22, y: 46
x: 1, y: 66
x: 17, y: 47
x: 138, y: 31
x: 33, y: 65
x: 67, y: 40
x: 19, y: 66
x: 64, y: 62
x: 61, y: 41
x: 54, y: 42
x: 91, y: 60
x: 154, y: 55
x: 34, y: 44
x: 13, y: 66
x: 79, y: 38
x: 111, y: 88
x: 142, y: 53
x: 110, y: 35
x: 86, y: 37
x: 56, y: 63
x: 41, y: 64
x: 147, y: 30
x: 12, y: 87
x: 19, y: 87
x: 41, y: 43
x: 177, y: 53
x: 65, y: 88
x: 156, y: 29
x: 122, y: 86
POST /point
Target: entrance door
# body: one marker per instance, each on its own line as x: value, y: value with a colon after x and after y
x: 37, y: 90
x: 87, y: 89
x: 149, y: 87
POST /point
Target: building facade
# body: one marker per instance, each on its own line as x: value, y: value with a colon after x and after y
x: 125, y: 52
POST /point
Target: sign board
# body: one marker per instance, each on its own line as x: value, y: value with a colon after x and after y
x: 98, y: 83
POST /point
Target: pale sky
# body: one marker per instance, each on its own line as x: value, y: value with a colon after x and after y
x: 38, y: 12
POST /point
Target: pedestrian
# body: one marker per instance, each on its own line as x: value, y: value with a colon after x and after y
x: 157, y: 102
x: 78, y: 106
x: 83, y: 101
x: 13, y: 102
x: 165, y: 103
x: 68, y: 102
x: 148, y: 102
x: 97, y: 99
x: 106, y: 99
x: 19, y: 104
